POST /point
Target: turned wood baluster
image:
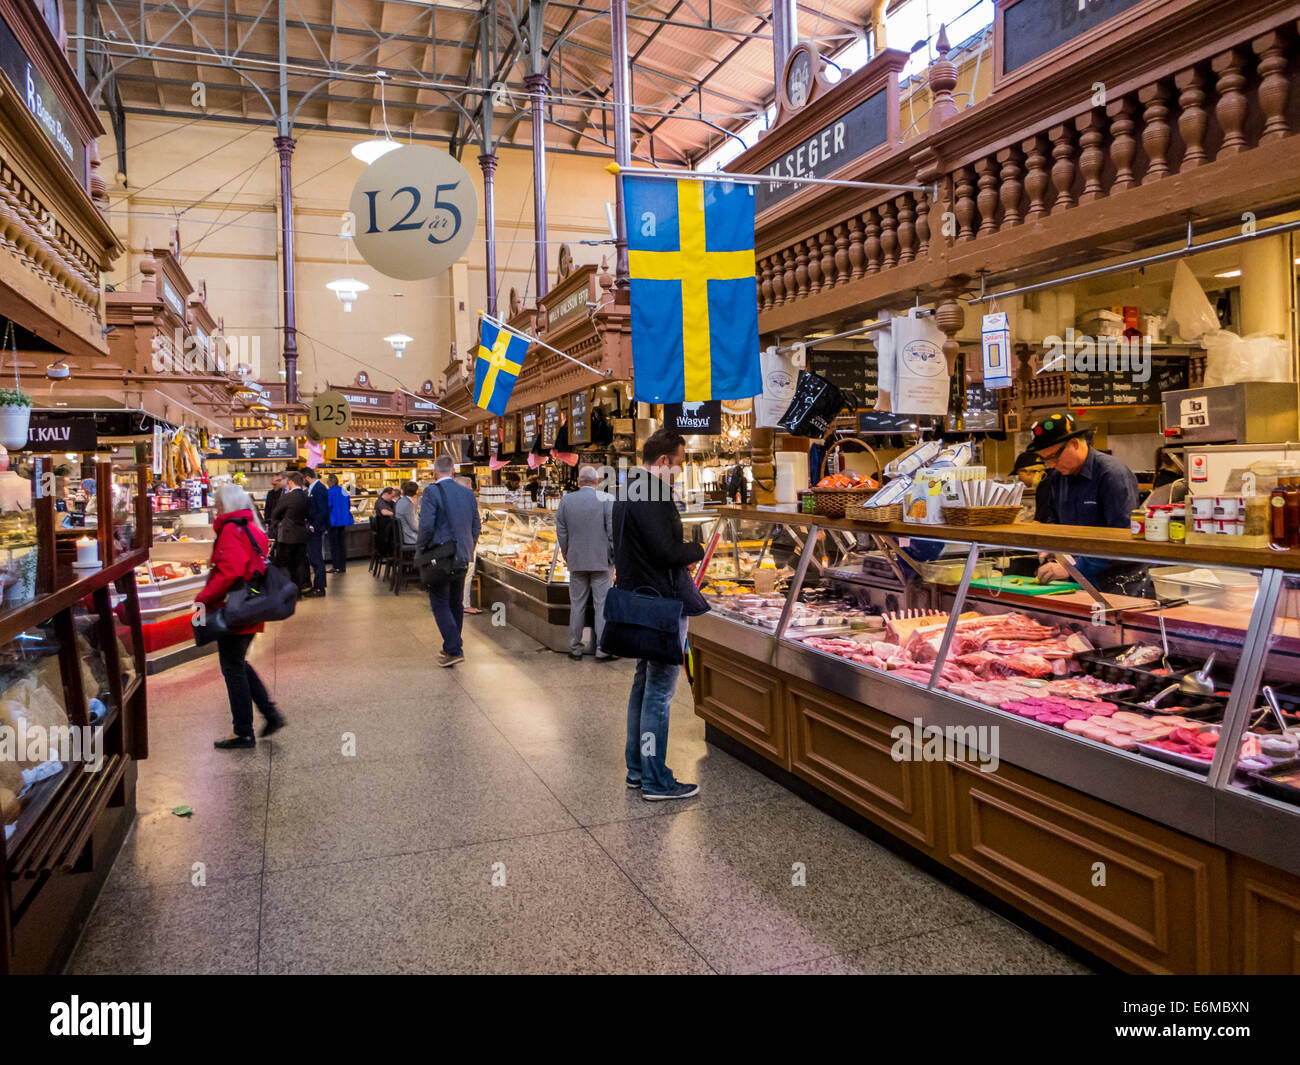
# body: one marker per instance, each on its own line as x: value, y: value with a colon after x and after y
x: 800, y: 270
x: 1192, y: 117
x: 1092, y: 159
x: 778, y: 281
x: 1231, y: 107
x: 1011, y: 188
x: 1123, y: 143
x: 857, y: 253
x: 765, y: 284
x: 987, y: 199
x: 922, y: 225
x: 841, y: 253
x: 814, y: 256
x: 1062, y: 166
x: 788, y: 266
x: 1273, y: 85
x: 888, y: 236
x: 964, y: 207
x: 872, y: 244
x: 1156, y: 131
x: 828, y: 259
x: 906, y: 229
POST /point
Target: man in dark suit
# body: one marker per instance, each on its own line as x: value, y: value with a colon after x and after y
x: 273, y: 495
x: 290, y: 518
x: 318, y: 523
x: 449, y: 512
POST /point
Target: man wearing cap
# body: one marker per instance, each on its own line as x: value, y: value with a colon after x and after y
x: 1084, y: 487
x: 1030, y: 471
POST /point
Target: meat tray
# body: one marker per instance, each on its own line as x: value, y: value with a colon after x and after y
x: 1207, y: 708
x: 1183, y: 761
x: 1281, y: 781
x: 1144, y: 679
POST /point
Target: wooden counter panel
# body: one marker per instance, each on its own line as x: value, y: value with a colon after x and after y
x: 1034, y: 843
x: 1265, y: 909
x: 744, y: 702
x: 844, y: 748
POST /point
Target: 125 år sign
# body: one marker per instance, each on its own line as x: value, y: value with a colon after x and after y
x: 413, y: 212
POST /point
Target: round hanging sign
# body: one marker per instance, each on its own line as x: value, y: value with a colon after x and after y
x: 329, y: 414
x: 415, y: 211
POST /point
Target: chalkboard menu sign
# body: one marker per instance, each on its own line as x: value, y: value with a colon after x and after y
x: 510, y: 434
x: 1118, y: 389
x: 1032, y: 28
x: 579, y: 418
x: 529, y: 429
x: 478, y: 439
x: 416, y: 449
x: 356, y: 448
x: 494, y: 438
x: 850, y: 371
x: 550, y: 422
x: 251, y: 447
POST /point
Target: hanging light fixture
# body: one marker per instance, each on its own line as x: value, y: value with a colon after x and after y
x: 398, y: 342
x: 368, y: 151
x: 347, y: 288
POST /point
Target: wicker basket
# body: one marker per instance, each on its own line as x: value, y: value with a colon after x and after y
x: 981, y: 515
x: 833, y: 502
x: 876, y: 515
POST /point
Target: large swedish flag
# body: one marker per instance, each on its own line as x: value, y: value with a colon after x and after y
x: 500, y: 358
x: 694, y: 296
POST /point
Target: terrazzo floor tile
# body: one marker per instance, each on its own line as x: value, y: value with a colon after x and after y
x: 563, y: 906
x: 173, y: 931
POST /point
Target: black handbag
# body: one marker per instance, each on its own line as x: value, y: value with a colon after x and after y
x: 213, y: 625
x: 437, y: 564
x: 814, y: 406
x: 266, y: 596
x: 642, y: 626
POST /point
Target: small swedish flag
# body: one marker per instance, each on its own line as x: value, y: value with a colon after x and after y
x: 501, y: 355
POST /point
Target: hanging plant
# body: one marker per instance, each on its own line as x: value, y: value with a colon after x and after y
x: 15, y: 405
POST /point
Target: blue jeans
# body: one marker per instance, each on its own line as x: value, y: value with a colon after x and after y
x: 447, y: 601
x: 647, y: 725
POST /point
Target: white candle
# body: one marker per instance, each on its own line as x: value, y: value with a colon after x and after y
x: 87, y: 551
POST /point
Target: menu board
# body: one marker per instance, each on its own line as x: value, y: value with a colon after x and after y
x: 529, y: 429
x: 252, y: 447
x: 579, y: 418
x: 1109, y: 389
x: 416, y: 449
x: 550, y: 422
x: 851, y: 371
x: 478, y: 438
x: 369, y: 448
x: 494, y: 438
x: 510, y: 434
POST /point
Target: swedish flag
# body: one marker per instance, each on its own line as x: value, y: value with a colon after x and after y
x: 694, y: 295
x: 501, y: 356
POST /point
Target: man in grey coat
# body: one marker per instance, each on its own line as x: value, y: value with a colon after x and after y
x: 584, y: 526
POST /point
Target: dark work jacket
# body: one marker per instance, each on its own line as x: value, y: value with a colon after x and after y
x: 268, y: 508
x: 648, y: 546
x: 290, y: 518
x: 1102, y: 495
x: 318, y: 506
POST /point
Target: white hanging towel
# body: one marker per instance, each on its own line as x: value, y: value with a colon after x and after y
x: 779, y: 377
x: 920, y: 369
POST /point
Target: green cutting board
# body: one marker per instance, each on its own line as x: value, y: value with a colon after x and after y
x: 1023, y: 585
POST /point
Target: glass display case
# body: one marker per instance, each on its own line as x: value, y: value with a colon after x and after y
x: 524, y: 540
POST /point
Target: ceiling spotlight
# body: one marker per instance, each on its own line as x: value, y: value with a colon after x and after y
x: 1229, y: 273
x: 347, y: 288
x: 398, y: 342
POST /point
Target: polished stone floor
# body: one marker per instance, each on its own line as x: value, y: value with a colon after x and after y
x: 413, y: 819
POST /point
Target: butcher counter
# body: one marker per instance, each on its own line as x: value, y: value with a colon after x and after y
x: 1148, y: 858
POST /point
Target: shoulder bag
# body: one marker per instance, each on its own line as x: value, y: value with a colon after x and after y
x: 437, y: 564
x: 266, y: 596
x: 642, y: 624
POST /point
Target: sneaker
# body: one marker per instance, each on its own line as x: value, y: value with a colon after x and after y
x: 633, y: 783
x: 677, y: 791
x: 450, y: 660
x: 232, y: 743
x: 274, y: 723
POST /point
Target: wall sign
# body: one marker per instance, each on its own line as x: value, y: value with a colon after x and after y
x: 252, y: 447
x: 510, y: 434
x: 415, y: 211
x: 579, y: 418
x: 1034, y: 27
x: 419, y: 427
x: 416, y: 449
x: 689, y: 419
x: 848, y: 137
x: 330, y: 414
x: 494, y: 438
x: 41, y: 100
x: 550, y: 422
x: 49, y: 431
x: 566, y: 308
x: 530, y: 428
x: 369, y: 448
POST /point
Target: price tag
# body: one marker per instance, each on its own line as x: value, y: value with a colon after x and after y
x: 330, y: 414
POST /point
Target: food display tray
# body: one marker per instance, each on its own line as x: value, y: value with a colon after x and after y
x: 1207, y: 708
x: 1263, y: 780
x: 1143, y: 678
x: 1174, y: 758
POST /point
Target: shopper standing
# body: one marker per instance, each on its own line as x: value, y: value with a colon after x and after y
x: 449, y: 511
x: 318, y: 523
x: 584, y: 526
x: 408, y: 522
x: 290, y: 521
x: 238, y: 553
x: 273, y: 495
x: 340, y: 518
x: 649, y: 553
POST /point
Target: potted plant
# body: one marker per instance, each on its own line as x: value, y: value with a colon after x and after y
x: 15, y: 414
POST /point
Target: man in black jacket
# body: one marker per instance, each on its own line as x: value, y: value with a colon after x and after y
x: 318, y: 524
x: 273, y: 495
x: 290, y: 520
x: 649, y: 553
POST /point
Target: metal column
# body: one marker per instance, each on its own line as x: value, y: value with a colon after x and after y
x: 284, y: 148
x: 622, y: 128
x: 487, y: 160
x: 785, y: 35
x: 539, y: 85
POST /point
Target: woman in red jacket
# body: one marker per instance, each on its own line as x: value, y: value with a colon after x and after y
x: 234, y: 559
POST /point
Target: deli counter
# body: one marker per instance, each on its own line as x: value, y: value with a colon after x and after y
x: 1124, y: 770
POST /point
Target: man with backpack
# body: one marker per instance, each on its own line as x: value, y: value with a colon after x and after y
x: 449, y: 531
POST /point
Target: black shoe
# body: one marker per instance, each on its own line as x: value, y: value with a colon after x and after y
x: 231, y: 743
x: 575, y: 656
x: 274, y: 723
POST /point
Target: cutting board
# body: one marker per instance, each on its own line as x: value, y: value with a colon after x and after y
x: 1023, y: 585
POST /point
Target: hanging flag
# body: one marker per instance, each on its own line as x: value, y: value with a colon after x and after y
x: 694, y: 294
x: 500, y: 358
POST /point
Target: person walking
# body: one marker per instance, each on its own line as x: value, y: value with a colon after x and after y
x: 466, y: 603
x: 408, y: 521
x: 238, y: 553
x: 584, y: 526
x: 318, y: 524
x: 290, y: 521
x: 449, y: 511
x: 649, y: 552
x: 340, y: 518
